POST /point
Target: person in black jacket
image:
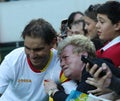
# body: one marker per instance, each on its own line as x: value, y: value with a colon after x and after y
x: 70, y: 51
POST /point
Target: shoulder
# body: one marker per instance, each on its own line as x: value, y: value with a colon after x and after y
x: 15, y: 55
x: 115, y: 71
x: 54, y: 51
x: 16, y: 52
x: 54, y: 54
x: 12, y: 63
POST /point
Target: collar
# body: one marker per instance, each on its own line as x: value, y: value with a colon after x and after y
x: 36, y: 70
x: 111, y: 43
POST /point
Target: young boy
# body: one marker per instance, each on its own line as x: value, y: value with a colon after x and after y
x: 108, y: 27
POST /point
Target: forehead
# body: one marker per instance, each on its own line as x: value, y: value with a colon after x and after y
x: 34, y: 42
x: 78, y: 16
x: 68, y: 50
x: 88, y: 19
x: 102, y: 16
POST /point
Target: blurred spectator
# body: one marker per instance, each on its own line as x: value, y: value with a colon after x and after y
x: 108, y: 28
x: 91, y: 21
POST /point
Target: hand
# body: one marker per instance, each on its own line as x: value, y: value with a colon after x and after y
x: 99, y: 89
x: 50, y: 85
x: 101, y: 83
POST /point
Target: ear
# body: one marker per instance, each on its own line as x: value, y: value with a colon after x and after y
x: 84, y: 53
x: 117, y: 26
x: 54, y: 43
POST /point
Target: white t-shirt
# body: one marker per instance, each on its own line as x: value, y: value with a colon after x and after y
x: 18, y: 82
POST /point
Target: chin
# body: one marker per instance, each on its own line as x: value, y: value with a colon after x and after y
x: 68, y: 76
x: 35, y: 64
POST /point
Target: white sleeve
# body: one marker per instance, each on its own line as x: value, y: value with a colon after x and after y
x: 5, y: 74
x: 69, y: 86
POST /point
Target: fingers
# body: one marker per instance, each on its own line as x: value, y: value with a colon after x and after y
x: 91, y: 81
x: 108, y: 71
x: 101, y: 83
x: 87, y: 67
x: 95, y: 71
x: 97, y: 91
x: 49, y: 84
x: 91, y: 70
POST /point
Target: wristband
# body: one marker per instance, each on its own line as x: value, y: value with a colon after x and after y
x: 52, y: 91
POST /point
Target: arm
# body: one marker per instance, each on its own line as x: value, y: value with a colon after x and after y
x: 4, y: 77
x: 107, y: 81
x: 52, y: 89
x: 60, y: 96
x: 113, y: 86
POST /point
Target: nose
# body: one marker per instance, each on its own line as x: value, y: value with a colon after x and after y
x: 97, y: 25
x: 62, y: 63
x: 32, y: 53
x: 85, y: 27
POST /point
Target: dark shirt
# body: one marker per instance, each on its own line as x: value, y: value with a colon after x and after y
x: 115, y: 84
x: 98, y: 43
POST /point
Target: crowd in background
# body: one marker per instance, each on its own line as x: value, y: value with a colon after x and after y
x: 50, y: 64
